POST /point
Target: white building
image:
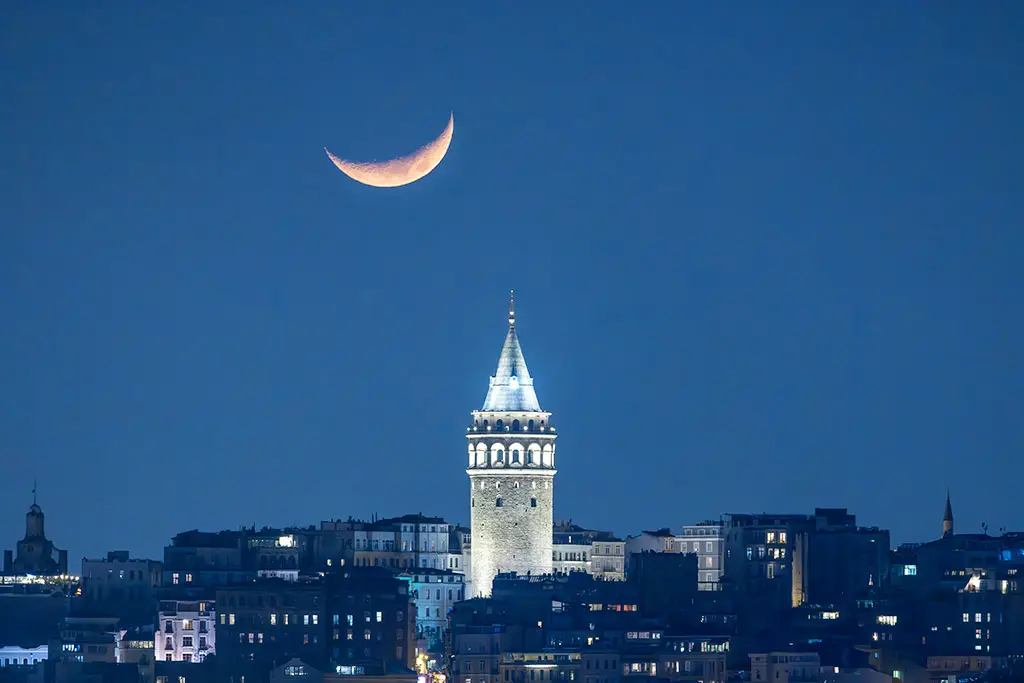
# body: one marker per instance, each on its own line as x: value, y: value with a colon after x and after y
x: 608, y: 559
x: 599, y: 553
x: 14, y: 655
x: 707, y: 541
x: 435, y: 592
x: 185, y: 631
x: 511, y: 446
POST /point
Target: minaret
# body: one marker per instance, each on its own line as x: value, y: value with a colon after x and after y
x: 947, y: 518
x: 511, y: 473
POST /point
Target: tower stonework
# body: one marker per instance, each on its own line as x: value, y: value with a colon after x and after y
x: 511, y: 446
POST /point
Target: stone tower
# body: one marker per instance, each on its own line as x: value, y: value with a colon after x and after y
x: 511, y: 473
x: 947, y: 518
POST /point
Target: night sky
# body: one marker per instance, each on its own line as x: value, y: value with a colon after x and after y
x: 767, y: 257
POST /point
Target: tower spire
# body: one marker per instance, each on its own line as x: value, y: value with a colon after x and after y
x: 947, y: 517
x: 33, y: 491
x: 511, y: 308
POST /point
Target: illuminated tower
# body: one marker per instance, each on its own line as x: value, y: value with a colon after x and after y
x: 511, y: 473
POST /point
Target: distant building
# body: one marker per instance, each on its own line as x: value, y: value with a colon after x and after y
x: 577, y: 549
x: 36, y: 554
x: 121, y: 586
x: 707, y: 541
x: 352, y: 617
x: 186, y: 631
x: 511, y: 449
x: 434, y: 592
x: 197, y: 562
x: 791, y: 560
x: 785, y: 667
x: 17, y: 655
x: 87, y: 640
x: 608, y: 558
x: 397, y: 543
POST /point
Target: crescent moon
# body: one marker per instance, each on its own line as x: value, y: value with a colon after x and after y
x: 403, y: 170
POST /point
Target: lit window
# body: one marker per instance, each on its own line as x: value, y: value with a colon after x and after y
x: 174, y: 578
x: 231, y: 619
x: 380, y: 617
x: 186, y: 625
x: 977, y: 617
x: 316, y: 619
x: 273, y: 619
x: 348, y: 619
x: 366, y: 634
x: 977, y: 634
x: 771, y: 537
x: 782, y: 537
x: 967, y: 617
x: 188, y: 578
x: 285, y: 615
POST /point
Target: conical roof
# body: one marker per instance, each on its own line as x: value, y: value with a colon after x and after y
x: 511, y: 387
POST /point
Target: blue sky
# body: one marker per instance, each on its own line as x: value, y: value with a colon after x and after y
x: 766, y: 258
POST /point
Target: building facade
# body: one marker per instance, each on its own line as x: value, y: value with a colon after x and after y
x: 708, y: 543
x: 435, y: 592
x: 511, y: 446
x: 186, y: 631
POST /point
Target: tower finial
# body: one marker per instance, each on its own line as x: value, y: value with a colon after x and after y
x: 511, y: 308
x: 33, y: 491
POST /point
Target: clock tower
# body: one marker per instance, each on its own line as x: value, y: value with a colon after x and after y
x: 511, y: 473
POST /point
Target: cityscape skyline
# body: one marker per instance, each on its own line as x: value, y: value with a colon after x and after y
x: 752, y: 274
x: 507, y: 365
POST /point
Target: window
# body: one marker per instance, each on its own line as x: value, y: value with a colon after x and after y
x: 169, y: 629
x: 316, y: 619
x: 188, y: 578
x: 186, y: 625
x: 515, y: 456
x: 366, y: 634
x: 533, y: 502
x: 708, y: 547
x: 186, y: 641
x: 231, y: 619
x: 499, y: 503
x: 273, y: 619
x: 348, y: 619
x: 202, y: 642
x: 174, y: 578
x: 380, y: 617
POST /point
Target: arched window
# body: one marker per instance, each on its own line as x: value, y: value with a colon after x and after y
x: 515, y: 425
x: 499, y: 424
x: 529, y: 457
x: 529, y: 425
x: 533, y: 502
x: 515, y: 484
x: 499, y: 503
x: 485, y: 424
x: 515, y: 457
